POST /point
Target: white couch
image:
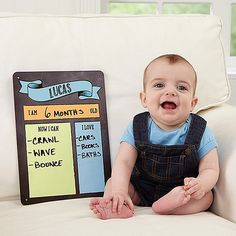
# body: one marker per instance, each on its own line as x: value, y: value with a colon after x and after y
x: 121, y: 47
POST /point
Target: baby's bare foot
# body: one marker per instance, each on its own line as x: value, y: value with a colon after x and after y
x: 93, y: 203
x: 103, y: 210
x: 175, y: 198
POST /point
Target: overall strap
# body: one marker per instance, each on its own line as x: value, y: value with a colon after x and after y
x: 140, y: 123
x: 196, y: 130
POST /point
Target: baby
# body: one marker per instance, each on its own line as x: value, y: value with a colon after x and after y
x: 167, y: 157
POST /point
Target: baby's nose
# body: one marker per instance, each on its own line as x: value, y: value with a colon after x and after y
x: 171, y: 93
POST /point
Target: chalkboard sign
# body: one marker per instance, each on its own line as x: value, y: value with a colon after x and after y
x: 62, y: 134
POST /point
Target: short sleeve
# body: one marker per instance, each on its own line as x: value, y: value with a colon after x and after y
x: 128, y: 135
x: 208, y: 143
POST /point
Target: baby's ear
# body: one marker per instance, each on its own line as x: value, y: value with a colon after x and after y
x: 194, y: 103
x: 142, y: 96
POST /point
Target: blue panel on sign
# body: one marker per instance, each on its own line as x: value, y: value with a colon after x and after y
x: 90, y: 157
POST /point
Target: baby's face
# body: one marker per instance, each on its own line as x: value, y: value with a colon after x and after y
x: 169, y: 92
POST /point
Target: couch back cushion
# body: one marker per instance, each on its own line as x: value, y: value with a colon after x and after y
x: 121, y: 47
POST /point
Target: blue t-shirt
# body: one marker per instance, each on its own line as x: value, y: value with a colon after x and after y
x: 157, y: 135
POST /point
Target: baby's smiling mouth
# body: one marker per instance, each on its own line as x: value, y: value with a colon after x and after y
x: 168, y: 105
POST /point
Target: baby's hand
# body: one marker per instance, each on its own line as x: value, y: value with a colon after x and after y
x: 118, y: 200
x: 193, y: 187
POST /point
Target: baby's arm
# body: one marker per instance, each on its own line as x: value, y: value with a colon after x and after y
x: 120, y: 178
x: 207, y: 178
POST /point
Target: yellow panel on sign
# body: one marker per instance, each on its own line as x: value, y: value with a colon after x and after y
x: 50, y: 159
x: 52, y: 112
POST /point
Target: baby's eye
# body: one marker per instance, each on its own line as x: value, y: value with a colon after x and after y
x: 159, y: 85
x: 182, y: 87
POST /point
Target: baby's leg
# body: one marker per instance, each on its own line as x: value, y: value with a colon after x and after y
x: 195, y: 205
x: 178, y: 203
x: 172, y: 200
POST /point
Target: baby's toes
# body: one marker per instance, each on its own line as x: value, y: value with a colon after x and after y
x: 94, y: 201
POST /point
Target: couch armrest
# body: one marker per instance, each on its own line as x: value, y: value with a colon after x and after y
x: 221, y: 120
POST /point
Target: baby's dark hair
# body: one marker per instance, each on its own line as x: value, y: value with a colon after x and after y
x: 173, y: 58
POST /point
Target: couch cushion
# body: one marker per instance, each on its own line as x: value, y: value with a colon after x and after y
x: 119, y: 46
x: 224, y: 131
x: 72, y: 217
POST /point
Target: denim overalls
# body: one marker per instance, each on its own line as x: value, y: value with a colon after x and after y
x: 160, y: 168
